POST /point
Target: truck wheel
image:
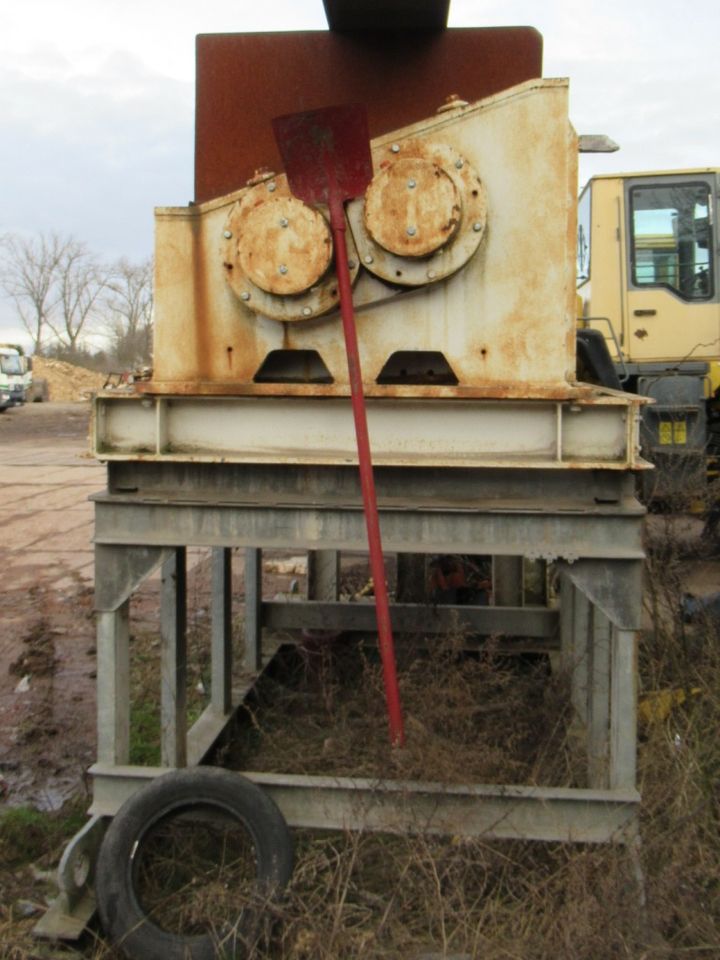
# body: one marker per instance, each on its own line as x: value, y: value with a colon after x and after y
x: 189, y: 865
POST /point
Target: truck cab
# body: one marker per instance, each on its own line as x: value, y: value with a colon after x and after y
x: 649, y: 280
x: 13, y: 371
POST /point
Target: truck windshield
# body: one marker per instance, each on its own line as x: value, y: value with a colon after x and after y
x: 671, y: 238
x: 10, y: 364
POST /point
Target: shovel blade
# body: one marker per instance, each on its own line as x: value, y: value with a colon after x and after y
x: 326, y: 153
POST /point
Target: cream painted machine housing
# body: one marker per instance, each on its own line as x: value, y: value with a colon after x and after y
x: 496, y: 299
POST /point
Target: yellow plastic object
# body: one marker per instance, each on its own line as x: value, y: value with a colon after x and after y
x: 658, y: 704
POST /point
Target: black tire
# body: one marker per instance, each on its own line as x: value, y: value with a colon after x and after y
x: 207, y: 796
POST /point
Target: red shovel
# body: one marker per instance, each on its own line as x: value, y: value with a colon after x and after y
x: 327, y: 159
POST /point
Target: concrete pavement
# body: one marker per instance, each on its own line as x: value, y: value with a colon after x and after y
x: 46, y: 518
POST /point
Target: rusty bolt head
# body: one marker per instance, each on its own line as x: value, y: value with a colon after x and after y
x: 260, y: 175
x: 395, y: 148
x: 351, y: 264
x: 227, y: 234
x: 244, y: 295
x: 411, y: 231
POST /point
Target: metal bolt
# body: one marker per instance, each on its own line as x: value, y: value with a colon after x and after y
x: 411, y: 184
x: 284, y: 221
x: 306, y: 311
x: 368, y: 259
x: 411, y: 231
x: 244, y: 295
x: 477, y: 227
x: 459, y: 163
x: 395, y: 148
x: 282, y: 269
x: 272, y: 186
x: 351, y: 264
x: 227, y: 234
x: 431, y: 274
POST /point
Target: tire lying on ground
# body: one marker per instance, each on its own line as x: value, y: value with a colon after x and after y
x: 189, y: 866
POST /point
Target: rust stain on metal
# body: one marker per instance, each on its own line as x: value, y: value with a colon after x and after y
x: 581, y: 393
x: 280, y: 251
x: 412, y: 208
x: 423, y: 216
x: 284, y: 246
x: 202, y: 347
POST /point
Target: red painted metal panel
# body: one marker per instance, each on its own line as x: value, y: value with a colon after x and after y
x: 244, y: 80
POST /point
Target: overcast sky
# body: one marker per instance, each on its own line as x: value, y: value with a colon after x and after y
x: 96, y: 97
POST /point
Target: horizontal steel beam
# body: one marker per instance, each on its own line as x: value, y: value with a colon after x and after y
x: 569, y: 536
x: 600, y: 433
x: 599, y: 491
x: 411, y: 618
x: 494, y: 811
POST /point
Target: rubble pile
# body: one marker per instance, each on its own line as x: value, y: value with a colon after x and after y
x: 66, y: 382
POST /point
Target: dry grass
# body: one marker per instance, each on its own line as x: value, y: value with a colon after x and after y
x: 469, y: 717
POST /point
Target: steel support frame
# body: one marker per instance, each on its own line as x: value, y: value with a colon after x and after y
x: 152, y: 512
x: 140, y: 522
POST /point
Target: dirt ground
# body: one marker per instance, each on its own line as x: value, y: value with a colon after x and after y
x: 47, y: 653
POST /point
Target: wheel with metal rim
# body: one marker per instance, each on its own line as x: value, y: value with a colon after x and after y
x: 189, y: 865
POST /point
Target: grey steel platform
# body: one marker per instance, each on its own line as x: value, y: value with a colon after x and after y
x: 587, y: 523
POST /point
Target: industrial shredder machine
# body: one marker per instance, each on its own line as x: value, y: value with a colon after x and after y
x: 461, y: 252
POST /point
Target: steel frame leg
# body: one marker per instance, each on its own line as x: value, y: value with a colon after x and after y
x: 507, y: 581
x: 173, y: 661
x: 602, y: 659
x: 113, y: 684
x: 221, y: 637
x: 252, y: 658
x: 598, y: 724
x: 323, y: 575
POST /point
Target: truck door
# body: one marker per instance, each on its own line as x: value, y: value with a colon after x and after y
x: 672, y: 305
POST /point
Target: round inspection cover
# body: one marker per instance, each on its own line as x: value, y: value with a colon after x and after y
x: 451, y: 222
x: 254, y: 233
x: 285, y: 246
x: 412, y: 207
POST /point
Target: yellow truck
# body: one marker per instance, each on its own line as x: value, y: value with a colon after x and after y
x: 648, y: 279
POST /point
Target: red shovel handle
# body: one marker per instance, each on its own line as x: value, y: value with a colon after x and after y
x: 367, y: 481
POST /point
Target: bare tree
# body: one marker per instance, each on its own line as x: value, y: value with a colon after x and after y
x: 80, y: 282
x: 129, y: 304
x: 28, y: 275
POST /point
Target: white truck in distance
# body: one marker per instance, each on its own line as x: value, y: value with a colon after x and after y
x: 13, y: 373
